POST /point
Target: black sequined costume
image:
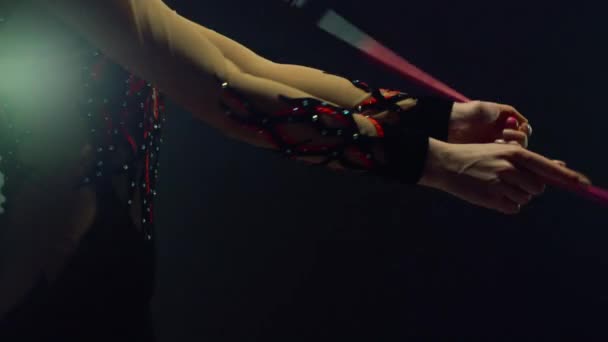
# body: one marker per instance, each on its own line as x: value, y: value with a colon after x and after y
x: 131, y: 120
x: 106, y: 287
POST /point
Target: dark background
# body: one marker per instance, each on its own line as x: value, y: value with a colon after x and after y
x: 254, y: 247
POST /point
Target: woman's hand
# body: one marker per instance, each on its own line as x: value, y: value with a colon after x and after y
x: 479, y: 122
x: 502, y: 177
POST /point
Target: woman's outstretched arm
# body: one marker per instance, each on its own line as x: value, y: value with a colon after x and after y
x: 157, y: 44
x: 321, y: 121
x: 311, y: 80
x: 167, y: 49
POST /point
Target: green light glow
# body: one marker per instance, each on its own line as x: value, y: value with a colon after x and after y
x: 40, y: 81
x: 38, y: 67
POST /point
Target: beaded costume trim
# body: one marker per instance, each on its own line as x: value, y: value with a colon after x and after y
x: 112, y: 117
x: 396, y: 154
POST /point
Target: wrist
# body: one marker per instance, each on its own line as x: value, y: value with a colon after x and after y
x: 458, y: 122
x: 423, y: 150
x: 431, y: 114
x: 432, y: 173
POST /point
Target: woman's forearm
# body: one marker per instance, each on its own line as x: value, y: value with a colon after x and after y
x: 158, y: 45
x: 333, y: 88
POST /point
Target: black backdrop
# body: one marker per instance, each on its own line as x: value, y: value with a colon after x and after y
x: 253, y: 247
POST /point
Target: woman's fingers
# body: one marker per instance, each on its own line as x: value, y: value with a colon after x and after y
x: 547, y: 169
x: 506, y: 110
x: 514, y: 135
x: 515, y: 121
x: 515, y: 193
x: 527, y: 129
x: 510, y: 118
x: 524, y: 181
x: 506, y: 206
x: 534, y: 182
